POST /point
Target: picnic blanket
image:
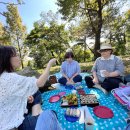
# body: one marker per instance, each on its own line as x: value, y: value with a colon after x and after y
x: 116, y: 123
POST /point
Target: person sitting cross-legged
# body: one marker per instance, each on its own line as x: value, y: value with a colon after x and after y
x: 70, y: 70
x: 107, y: 70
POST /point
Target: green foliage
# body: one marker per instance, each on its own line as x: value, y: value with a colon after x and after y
x: 128, y: 31
x: 117, y: 32
x: 6, y: 3
x: 4, y: 36
x: 14, y: 22
x: 96, y: 13
x: 47, y: 41
x: 79, y: 53
x: 117, y: 35
x: 15, y: 29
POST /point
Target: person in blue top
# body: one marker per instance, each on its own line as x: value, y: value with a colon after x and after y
x: 107, y: 70
x: 70, y: 69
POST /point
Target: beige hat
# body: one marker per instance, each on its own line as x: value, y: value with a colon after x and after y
x: 69, y: 50
x: 105, y: 46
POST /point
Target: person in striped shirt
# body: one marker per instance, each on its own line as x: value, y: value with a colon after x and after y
x: 107, y: 70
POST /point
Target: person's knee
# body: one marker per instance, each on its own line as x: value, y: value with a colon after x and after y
x: 89, y: 82
x: 62, y: 80
x: 77, y: 78
x: 87, y: 78
x: 80, y: 78
x: 110, y: 84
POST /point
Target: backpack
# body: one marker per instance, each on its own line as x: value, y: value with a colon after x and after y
x: 122, y: 95
x: 127, y: 78
x: 52, y: 79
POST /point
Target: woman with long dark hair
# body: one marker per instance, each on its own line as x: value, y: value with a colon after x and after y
x: 14, y: 92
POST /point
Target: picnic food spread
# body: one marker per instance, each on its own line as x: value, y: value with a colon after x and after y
x: 89, y: 99
x: 72, y: 112
x: 69, y: 100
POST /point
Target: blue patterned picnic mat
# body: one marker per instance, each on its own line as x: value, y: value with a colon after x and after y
x: 115, y: 123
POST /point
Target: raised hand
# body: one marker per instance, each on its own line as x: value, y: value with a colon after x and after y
x: 52, y: 62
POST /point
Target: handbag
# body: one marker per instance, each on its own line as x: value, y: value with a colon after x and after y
x: 52, y: 79
x: 127, y: 78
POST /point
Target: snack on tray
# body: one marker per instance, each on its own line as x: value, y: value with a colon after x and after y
x: 68, y: 111
x: 69, y: 100
x: 64, y: 100
x: 72, y: 112
x: 88, y: 99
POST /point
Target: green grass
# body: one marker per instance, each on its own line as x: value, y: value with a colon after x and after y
x: 88, y: 66
x: 84, y: 66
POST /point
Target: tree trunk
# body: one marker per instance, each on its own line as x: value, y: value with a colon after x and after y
x: 19, y: 49
x: 98, y: 31
x: 85, y: 46
x: 96, y: 46
x: 53, y: 57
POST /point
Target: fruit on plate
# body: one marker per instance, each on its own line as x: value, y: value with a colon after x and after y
x: 72, y: 99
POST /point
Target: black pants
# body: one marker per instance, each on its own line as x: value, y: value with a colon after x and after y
x: 108, y: 84
x: 76, y: 79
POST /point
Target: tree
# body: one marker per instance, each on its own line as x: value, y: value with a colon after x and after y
x: 47, y: 41
x: 116, y: 34
x: 15, y: 28
x: 128, y: 31
x: 4, y: 36
x: 92, y: 9
x: 18, y: 2
x: 80, y: 32
x: 80, y: 54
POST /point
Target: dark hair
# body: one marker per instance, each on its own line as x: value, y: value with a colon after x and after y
x: 6, y: 52
x: 69, y: 55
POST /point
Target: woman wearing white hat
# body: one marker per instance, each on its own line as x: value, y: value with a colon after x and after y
x: 107, y: 70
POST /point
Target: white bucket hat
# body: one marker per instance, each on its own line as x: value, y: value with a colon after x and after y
x: 105, y: 46
x: 69, y: 50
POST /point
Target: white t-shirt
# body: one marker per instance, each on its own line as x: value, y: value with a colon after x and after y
x: 14, y: 91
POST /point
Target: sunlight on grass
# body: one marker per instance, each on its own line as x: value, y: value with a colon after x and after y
x: 88, y: 66
x: 55, y: 69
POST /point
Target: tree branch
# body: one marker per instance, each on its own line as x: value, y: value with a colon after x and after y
x: 7, y: 3
x: 90, y: 19
x: 105, y: 4
x: 2, y: 14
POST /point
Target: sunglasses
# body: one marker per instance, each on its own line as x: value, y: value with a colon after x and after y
x: 104, y: 50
